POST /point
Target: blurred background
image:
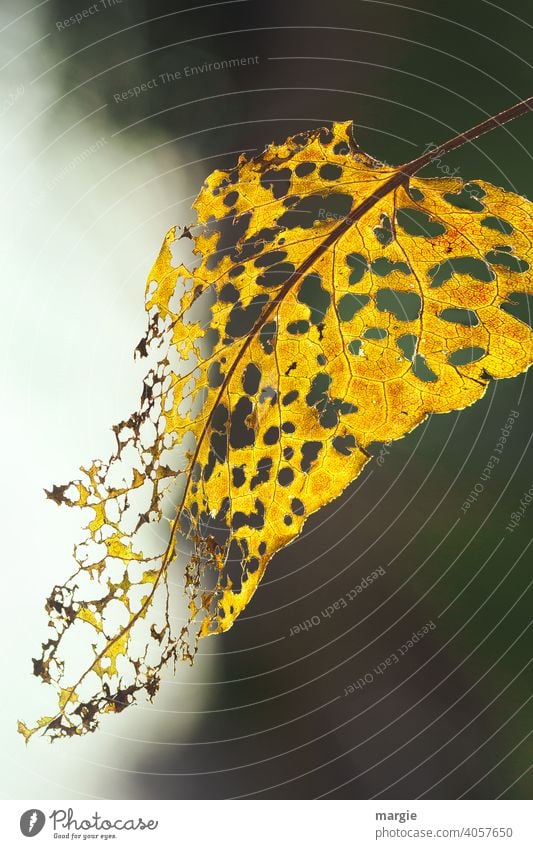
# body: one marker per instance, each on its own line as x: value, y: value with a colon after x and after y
x: 94, y: 173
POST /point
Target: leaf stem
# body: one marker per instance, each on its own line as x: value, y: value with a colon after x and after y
x: 475, y: 132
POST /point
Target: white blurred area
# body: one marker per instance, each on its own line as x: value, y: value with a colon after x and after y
x: 77, y: 242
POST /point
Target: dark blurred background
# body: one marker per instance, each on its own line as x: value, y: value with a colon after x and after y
x: 453, y: 717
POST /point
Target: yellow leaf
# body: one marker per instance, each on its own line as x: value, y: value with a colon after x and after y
x: 116, y: 548
x: 25, y: 731
x: 66, y: 696
x: 333, y: 334
x: 336, y: 302
x: 86, y: 615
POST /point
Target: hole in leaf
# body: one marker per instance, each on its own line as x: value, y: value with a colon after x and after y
x: 460, y: 316
x: 499, y: 224
x: 384, y: 266
x: 341, y: 149
x: 268, y: 393
x: 285, y: 476
x: 422, y: 370
x: 349, y: 304
x: 375, y: 333
x: 303, y: 169
x: 264, y: 466
x: 277, y: 180
x: 255, y: 244
x: 319, y: 387
x: 508, y: 260
x: 298, y: 328
x: 344, y: 407
x: 415, y: 222
x: 330, y: 172
x: 241, y: 319
x: 290, y: 397
x: 329, y: 416
x: 310, y: 451
x: 415, y: 194
x: 266, y: 335
x: 471, y: 265
x: 219, y: 418
x: 276, y: 275
x: 251, y: 379
x: 315, y: 208
x: 228, y: 294
x: 241, y: 435
x: 232, y: 229
x: 252, y: 565
x: 407, y: 345
x: 405, y: 306
x: 383, y: 233
x: 231, y: 198
x: 251, y: 520
x: 270, y: 258
x: 468, y: 198
x: 314, y: 296
x: 238, y: 476
x: 215, y: 376
x: 271, y: 437
x: 297, y: 507
x: 359, y: 266
x: 234, y: 565
x: 344, y: 444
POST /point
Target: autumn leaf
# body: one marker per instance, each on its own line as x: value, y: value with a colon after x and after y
x: 335, y: 302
